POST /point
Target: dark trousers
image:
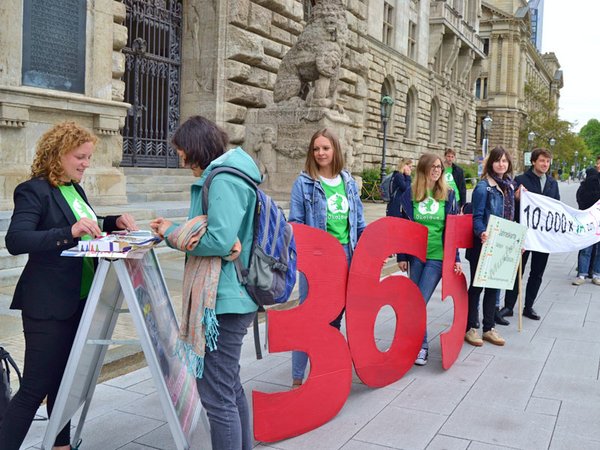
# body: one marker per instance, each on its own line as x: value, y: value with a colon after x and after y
x: 47, y: 347
x: 489, y: 296
x: 536, y: 272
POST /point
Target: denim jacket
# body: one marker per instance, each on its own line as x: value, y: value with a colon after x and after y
x: 308, y: 205
x: 488, y: 199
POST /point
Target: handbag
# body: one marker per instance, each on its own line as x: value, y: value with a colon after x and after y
x: 6, y: 362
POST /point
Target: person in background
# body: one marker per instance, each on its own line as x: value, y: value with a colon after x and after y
x: 588, y: 259
x: 202, y: 146
x: 325, y: 196
x: 455, y: 178
x: 428, y: 202
x: 51, y: 214
x: 538, y: 181
x: 401, y: 181
x: 493, y: 195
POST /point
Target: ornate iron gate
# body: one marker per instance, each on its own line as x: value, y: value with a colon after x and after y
x: 153, y: 57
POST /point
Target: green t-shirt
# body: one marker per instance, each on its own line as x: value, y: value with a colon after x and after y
x: 450, y: 181
x: 432, y: 214
x: 81, y: 209
x: 337, y: 208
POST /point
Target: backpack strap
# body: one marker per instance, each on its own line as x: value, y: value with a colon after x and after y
x: 241, y: 270
x: 5, y: 356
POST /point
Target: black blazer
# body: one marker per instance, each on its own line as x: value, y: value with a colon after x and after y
x: 50, y: 284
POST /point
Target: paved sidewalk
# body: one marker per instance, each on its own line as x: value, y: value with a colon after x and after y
x: 540, y: 391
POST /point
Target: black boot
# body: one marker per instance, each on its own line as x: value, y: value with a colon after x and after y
x: 499, y: 319
x: 505, y: 312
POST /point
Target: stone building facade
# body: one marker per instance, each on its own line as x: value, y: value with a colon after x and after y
x: 512, y: 62
x: 80, y: 55
x: 150, y: 63
x: 426, y: 55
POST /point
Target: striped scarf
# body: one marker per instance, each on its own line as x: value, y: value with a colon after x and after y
x: 199, y: 325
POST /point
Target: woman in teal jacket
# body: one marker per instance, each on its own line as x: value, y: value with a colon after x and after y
x: 230, y: 215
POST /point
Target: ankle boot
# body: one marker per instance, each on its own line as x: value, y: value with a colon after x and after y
x: 499, y: 319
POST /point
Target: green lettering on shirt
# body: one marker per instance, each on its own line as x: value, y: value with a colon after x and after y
x: 432, y: 214
x: 337, y: 208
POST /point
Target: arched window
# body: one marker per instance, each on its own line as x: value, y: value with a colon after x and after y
x: 450, y: 129
x: 411, y: 113
x: 465, y: 130
x: 433, y: 121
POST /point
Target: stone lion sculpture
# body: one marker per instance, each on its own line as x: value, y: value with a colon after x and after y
x: 310, y: 69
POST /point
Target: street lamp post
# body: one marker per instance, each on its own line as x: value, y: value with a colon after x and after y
x: 576, y: 163
x: 552, y: 143
x: 530, y: 138
x: 386, y: 111
x: 487, y: 126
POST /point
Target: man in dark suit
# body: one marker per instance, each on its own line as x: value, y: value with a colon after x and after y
x: 537, y: 180
x: 455, y: 177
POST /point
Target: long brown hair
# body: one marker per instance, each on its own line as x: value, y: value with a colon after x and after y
x: 440, y: 189
x: 496, y: 155
x: 311, y: 167
x: 61, y: 139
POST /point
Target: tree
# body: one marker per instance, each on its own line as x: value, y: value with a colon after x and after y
x: 543, y: 120
x: 590, y: 133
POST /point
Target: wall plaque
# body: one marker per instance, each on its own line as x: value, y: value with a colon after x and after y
x: 54, y: 44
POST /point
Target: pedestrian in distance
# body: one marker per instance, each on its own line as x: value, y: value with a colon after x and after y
x: 223, y: 301
x: 401, y: 180
x: 539, y: 181
x: 51, y: 214
x: 429, y: 202
x: 493, y: 195
x: 325, y: 196
x: 455, y: 178
x: 588, y: 259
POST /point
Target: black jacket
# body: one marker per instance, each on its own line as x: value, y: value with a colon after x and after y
x: 50, y: 284
x: 533, y: 184
x: 459, y: 178
x: 589, y: 190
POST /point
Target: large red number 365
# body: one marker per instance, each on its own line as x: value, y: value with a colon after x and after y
x: 286, y: 414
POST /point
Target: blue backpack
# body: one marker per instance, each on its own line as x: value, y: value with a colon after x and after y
x: 271, y: 273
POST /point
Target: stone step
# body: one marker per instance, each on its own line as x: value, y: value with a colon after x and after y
x: 159, y: 187
x: 9, y: 277
x: 157, y: 197
x: 132, y: 171
x: 160, y: 180
x: 8, y: 261
x: 5, y: 220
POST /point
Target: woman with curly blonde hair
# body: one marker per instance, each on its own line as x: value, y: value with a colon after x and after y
x: 51, y: 214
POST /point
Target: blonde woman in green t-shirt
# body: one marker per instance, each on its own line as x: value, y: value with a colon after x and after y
x: 325, y: 196
x: 428, y: 201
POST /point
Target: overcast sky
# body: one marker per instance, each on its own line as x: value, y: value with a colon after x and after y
x: 572, y: 31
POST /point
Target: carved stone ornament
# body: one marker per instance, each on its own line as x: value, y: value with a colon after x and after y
x: 310, y: 70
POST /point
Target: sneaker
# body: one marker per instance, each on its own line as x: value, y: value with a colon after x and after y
x: 473, y: 338
x: 578, y: 281
x: 296, y: 383
x: 422, y: 358
x: 493, y: 337
x: 596, y: 281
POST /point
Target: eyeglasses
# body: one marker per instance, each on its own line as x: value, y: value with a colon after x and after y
x: 436, y: 167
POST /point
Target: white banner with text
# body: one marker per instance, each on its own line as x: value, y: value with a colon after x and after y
x: 553, y: 227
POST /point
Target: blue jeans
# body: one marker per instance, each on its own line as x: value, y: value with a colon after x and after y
x: 584, y: 260
x: 426, y: 275
x: 220, y: 388
x: 300, y: 359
